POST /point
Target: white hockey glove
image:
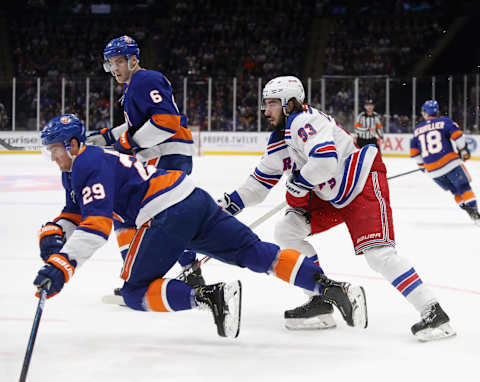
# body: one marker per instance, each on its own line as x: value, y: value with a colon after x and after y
x: 231, y: 203
x: 298, y: 190
x: 102, y: 137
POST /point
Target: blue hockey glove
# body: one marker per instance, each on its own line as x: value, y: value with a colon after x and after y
x: 51, y: 240
x: 231, y: 203
x: 102, y: 137
x: 126, y: 144
x: 59, y: 269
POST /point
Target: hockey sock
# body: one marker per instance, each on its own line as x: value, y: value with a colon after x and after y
x: 297, y: 269
x: 161, y: 295
x: 401, y: 274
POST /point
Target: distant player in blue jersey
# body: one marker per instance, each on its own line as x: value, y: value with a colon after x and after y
x: 170, y: 214
x: 154, y: 130
x: 433, y: 150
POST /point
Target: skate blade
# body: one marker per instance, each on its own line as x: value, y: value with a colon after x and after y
x: 323, y: 321
x: 356, y: 295
x: 232, y: 294
x: 433, y: 334
x: 113, y: 299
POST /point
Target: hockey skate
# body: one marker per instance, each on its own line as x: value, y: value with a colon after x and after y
x: 225, y: 303
x: 473, y: 213
x: 193, y: 276
x: 349, y: 299
x: 435, y: 324
x: 314, y: 314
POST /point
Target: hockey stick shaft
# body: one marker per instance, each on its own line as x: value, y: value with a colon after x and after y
x: 404, y: 173
x: 33, y: 334
x: 267, y: 216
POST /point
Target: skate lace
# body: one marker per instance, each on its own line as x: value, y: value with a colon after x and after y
x: 428, y: 315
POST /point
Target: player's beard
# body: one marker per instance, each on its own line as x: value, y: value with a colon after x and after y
x: 280, y: 126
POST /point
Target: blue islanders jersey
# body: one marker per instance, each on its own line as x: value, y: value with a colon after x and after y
x: 153, y: 118
x: 104, y: 185
x: 432, y: 146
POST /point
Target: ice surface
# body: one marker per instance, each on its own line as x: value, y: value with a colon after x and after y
x: 81, y: 339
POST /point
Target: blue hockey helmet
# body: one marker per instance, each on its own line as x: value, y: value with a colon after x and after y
x: 62, y: 129
x: 120, y: 46
x: 431, y: 108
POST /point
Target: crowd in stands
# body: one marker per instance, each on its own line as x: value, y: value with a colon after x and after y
x: 247, y: 40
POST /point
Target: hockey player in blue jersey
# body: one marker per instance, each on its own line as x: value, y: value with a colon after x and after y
x: 431, y: 146
x: 170, y: 214
x: 154, y: 130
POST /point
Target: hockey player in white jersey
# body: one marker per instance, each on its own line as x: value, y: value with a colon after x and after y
x: 331, y: 181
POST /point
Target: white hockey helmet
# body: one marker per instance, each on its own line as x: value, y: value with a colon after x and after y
x: 284, y: 88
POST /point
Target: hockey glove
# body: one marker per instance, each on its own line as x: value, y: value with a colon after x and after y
x: 59, y: 269
x: 231, y: 203
x: 465, y: 153
x: 126, y: 144
x: 51, y: 240
x: 102, y: 137
x: 298, y: 190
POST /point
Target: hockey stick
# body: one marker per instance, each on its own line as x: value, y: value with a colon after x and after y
x: 404, y: 173
x: 118, y: 300
x: 36, y: 322
x: 259, y: 221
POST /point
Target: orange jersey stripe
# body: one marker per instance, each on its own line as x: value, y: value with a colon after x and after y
x: 441, y: 162
x: 75, y: 218
x: 132, y: 251
x: 153, y: 161
x: 414, y: 152
x: 357, y: 125
x: 125, y: 236
x: 456, y: 134
x: 161, y: 182
x: 98, y: 223
x: 154, y: 296
x: 286, y: 263
x: 172, y: 122
x: 379, y: 126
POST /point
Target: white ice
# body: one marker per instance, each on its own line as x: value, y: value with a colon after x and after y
x: 81, y: 339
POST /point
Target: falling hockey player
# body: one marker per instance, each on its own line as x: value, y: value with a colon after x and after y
x: 331, y: 181
x: 431, y: 146
x: 170, y: 214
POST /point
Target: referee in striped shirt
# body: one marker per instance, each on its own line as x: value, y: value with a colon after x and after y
x: 368, y: 128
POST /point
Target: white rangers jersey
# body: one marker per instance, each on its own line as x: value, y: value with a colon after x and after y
x: 321, y: 150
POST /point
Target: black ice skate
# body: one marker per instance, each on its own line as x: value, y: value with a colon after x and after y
x: 193, y: 277
x: 349, y: 299
x: 473, y: 213
x: 225, y: 302
x: 314, y: 314
x: 434, y: 324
